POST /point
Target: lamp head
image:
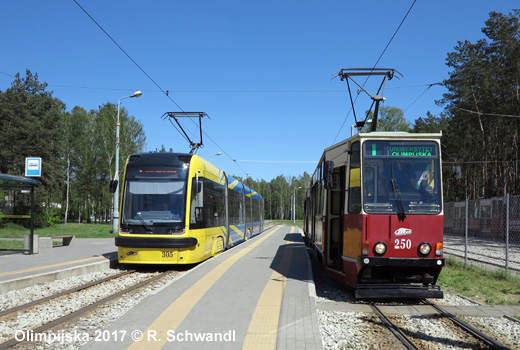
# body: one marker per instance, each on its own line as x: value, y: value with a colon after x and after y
x: 136, y: 94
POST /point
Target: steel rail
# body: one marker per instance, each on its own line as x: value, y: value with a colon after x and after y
x: 511, y: 318
x: 75, y: 289
x: 465, y: 326
x: 51, y: 324
x: 394, y: 329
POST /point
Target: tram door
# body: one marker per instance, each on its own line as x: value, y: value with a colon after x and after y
x: 335, y: 208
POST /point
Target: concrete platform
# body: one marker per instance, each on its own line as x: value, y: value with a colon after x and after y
x: 258, y: 295
x: 86, y: 255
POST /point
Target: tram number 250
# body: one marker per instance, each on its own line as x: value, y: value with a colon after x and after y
x: 403, y: 244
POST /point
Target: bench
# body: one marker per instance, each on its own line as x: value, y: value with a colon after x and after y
x: 65, y: 240
x: 47, y: 242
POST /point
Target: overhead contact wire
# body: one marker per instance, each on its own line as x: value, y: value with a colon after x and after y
x: 127, y: 55
x: 380, y: 56
x: 153, y: 81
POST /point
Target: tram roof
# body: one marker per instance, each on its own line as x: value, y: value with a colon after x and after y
x: 169, y: 158
x: 388, y: 135
x: 154, y: 158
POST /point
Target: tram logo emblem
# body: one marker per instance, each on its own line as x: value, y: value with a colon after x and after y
x: 403, y: 232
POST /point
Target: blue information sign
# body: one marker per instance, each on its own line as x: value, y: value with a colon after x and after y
x: 33, y: 167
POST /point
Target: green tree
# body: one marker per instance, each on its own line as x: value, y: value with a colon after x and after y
x: 89, y: 154
x: 482, y: 92
x: 389, y: 119
x: 430, y: 124
x: 80, y: 157
x: 77, y: 148
x: 99, y: 156
x: 31, y: 125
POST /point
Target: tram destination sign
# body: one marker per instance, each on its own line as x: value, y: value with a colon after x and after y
x: 411, y: 151
x: 401, y: 149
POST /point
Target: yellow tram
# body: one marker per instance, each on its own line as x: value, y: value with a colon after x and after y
x: 180, y: 209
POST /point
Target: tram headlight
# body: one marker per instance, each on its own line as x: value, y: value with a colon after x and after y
x: 424, y: 249
x: 379, y: 248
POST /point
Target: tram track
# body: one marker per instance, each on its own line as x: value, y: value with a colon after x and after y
x: 11, y: 315
x: 351, y: 323
x: 414, y: 338
x: 403, y: 338
x: 57, y: 295
x: 467, y: 327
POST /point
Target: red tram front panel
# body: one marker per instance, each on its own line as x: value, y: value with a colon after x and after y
x: 402, y: 238
x: 401, y: 261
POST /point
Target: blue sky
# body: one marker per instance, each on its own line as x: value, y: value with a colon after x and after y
x: 261, y: 70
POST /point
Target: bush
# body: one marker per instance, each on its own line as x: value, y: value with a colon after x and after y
x: 13, y: 227
x: 47, y: 218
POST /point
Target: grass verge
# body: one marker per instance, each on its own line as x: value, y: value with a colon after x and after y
x: 78, y: 230
x: 489, y: 287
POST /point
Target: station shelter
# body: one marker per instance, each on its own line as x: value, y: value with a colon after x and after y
x: 10, y: 184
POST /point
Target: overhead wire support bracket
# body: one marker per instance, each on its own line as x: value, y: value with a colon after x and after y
x: 174, y: 115
x: 348, y: 73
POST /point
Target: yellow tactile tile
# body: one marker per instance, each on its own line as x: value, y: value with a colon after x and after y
x: 263, y: 328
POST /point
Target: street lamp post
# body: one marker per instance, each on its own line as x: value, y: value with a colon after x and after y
x: 294, y: 204
x: 115, y: 221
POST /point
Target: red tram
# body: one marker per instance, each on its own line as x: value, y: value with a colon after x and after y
x: 374, y: 214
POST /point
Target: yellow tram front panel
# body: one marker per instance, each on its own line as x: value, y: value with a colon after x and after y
x: 210, y: 242
x: 148, y: 255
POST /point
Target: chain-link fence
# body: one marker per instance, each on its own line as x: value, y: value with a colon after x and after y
x: 484, y: 230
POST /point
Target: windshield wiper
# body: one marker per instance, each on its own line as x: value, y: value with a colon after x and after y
x: 148, y: 228
x: 397, y: 197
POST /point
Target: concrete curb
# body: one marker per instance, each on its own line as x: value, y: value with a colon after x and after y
x: 27, y: 281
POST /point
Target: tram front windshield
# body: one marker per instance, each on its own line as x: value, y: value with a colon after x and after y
x: 154, y: 201
x: 401, y: 177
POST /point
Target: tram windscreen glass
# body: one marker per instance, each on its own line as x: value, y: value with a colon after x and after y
x: 401, y: 176
x: 153, y: 206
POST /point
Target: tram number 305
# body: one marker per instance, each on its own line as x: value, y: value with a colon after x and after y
x: 403, y: 244
x: 167, y: 254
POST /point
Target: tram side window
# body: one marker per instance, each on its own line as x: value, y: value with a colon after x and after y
x: 197, y: 205
x: 354, y: 193
x: 235, y: 207
x: 214, y: 204
x: 207, y: 206
x: 256, y: 210
x: 248, y: 210
x: 313, y: 201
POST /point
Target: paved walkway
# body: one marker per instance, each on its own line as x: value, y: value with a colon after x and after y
x: 258, y: 295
